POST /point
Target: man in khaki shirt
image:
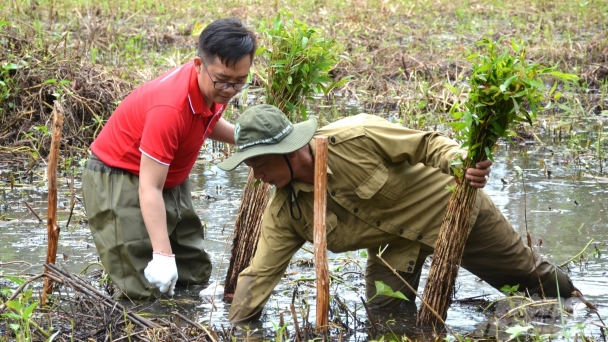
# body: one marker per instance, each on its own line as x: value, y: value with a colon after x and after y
x: 386, y: 185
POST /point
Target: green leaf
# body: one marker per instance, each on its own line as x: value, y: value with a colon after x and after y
x: 514, y: 46
x: 515, y: 105
x: 11, y: 66
x: 28, y: 311
x: 457, y: 115
x: 14, y: 304
x: 489, y: 153
x: 553, y: 88
x: 53, y: 336
x: 535, y: 83
x: 17, y: 280
x: 51, y: 81
x: 363, y: 254
x: 384, y: 290
x: 517, y: 330
x: 557, y: 96
x: 450, y: 188
x: 564, y: 76
x: 458, y: 126
x: 452, y: 89
x: 15, y: 327
x: 507, y: 83
x: 11, y: 315
x: 509, y: 289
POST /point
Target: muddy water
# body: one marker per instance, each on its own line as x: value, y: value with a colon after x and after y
x: 543, y: 188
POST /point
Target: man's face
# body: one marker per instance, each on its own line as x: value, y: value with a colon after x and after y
x: 271, y: 169
x: 207, y: 73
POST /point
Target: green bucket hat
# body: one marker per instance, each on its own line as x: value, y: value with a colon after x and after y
x: 264, y: 129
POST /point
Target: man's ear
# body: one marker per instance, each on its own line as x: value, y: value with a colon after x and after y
x: 197, y: 61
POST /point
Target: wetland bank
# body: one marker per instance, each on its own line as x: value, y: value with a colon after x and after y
x: 553, y: 181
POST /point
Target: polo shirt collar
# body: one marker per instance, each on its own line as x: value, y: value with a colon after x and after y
x: 196, y: 99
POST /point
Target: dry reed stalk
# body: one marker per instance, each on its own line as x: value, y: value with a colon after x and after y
x: 247, y: 229
x: 51, y: 221
x: 320, y: 238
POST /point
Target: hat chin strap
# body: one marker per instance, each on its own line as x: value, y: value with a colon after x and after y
x: 292, y: 193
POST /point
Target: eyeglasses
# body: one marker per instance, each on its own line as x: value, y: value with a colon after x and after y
x: 225, y: 85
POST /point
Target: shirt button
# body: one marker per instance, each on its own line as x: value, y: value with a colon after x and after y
x: 400, y: 231
x: 378, y: 223
x: 411, y: 263
x: 356, y: 210
x: 409, y: 269
x: 333, y: 193
x: 419, y: 237
x: 333, y: 140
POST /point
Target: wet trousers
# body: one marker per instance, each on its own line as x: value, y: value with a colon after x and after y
x: 494, y: 252
x: 111, y: 202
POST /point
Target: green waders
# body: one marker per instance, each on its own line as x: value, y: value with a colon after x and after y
x: 112, y: 205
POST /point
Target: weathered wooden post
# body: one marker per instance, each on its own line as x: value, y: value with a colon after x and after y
x: 320, y: 239
x: 51, y: 218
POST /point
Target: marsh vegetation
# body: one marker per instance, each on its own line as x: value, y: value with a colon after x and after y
x: 400, y: 60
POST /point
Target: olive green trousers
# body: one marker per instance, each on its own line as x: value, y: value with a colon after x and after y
x: 494, y: 252
x: 111, y: 201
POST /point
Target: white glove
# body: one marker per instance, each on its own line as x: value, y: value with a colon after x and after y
x: 162, y: 273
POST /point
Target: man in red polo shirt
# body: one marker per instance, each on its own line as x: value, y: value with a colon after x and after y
x: 135, y: 185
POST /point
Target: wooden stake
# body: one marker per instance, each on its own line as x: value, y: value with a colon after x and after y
x: 320, y: 239
x: 51, y: 220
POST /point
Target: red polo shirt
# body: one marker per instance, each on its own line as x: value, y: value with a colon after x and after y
x: 166, y: 119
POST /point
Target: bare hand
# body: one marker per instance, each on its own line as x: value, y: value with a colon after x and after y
x: 478, y: 176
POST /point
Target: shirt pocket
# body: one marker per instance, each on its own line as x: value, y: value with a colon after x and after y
x: 378, y: 189
x: 336, y: 241
x: 331, y: 222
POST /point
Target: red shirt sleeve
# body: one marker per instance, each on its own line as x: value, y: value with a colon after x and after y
x: 162, y: 131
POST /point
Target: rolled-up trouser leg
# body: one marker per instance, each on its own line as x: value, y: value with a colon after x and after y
x: 496, y: 253
x: 376, y: 271
x: 186, y: 235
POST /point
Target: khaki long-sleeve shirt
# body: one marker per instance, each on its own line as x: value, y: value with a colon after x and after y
x: 386, y: 186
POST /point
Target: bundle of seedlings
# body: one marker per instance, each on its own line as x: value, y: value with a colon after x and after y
x: 299, y: 65
x: 297, y: 61
x: 504, y: 90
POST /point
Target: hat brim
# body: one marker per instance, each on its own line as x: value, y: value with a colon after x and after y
x: 300, y: 136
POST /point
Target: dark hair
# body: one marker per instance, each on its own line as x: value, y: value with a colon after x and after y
x: 227, y: 39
